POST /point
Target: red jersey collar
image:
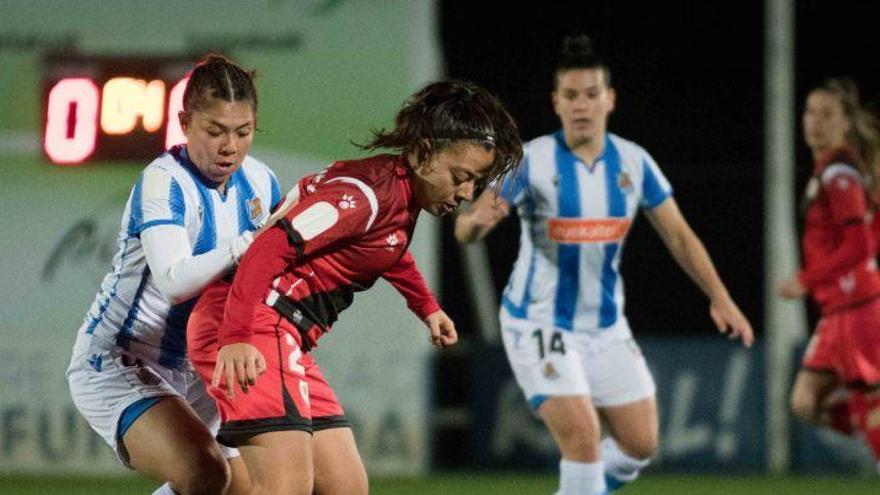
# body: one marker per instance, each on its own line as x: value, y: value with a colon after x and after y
x: 843, y: 154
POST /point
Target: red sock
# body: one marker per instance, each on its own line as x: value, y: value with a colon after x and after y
x: 867, y: 407
x: 841, y: 417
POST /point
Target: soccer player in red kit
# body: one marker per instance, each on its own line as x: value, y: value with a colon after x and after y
x: 840, y: 268
x: 350, y: 225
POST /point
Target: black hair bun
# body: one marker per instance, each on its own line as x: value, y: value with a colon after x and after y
x: 578, y: 45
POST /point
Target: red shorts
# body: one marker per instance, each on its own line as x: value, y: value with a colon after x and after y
x: 291, y: 395
x: 847, y: 343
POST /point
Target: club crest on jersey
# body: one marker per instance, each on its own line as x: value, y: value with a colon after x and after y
x: 255, y: 209
x: 346, y: 202
x: 550, y: 372
x: 624, y: 182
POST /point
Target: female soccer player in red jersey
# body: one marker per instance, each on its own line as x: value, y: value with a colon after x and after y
x: 351, y: 224
x: 840, y: 268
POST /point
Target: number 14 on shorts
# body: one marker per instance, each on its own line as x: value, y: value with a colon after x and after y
x: 553, y: 344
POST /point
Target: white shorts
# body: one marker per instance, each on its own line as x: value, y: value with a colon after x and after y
x: 548, y: 363
x: 105, y: 382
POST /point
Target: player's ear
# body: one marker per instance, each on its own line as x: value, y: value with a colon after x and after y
x: 424, y: 149
x: 184, y: 118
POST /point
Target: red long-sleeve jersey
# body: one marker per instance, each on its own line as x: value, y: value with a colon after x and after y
x: 839, y: 244
x: 353, y: 224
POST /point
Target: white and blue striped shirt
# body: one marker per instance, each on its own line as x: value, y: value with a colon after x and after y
x: 129, y: 311
x: 574, y: 220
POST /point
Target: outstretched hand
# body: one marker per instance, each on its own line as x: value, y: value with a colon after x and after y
x: 730, y: 320
x: 442, y: 329
x: 239, y: 363
x: 485, y: 217
x: 791, y: 289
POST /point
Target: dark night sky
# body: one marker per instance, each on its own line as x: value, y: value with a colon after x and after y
x: 689, y: 77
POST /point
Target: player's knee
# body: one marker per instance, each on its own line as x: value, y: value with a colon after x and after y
x: 577, y: 446
x: 353, y: 482
x: 285, y: 482
x: 209, y: 473
x: 641, y: 447
x: 805, y: 407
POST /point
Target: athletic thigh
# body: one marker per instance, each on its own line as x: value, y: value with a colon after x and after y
x: 280, y: 462
x: 170, y: 442
x: 810, y: 390
x: 338, y: 465
x: 634, y: 426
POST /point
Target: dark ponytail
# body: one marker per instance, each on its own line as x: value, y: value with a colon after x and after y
x: 577, y: 53
x: 450, y: 112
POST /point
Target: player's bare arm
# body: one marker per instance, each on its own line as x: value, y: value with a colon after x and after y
x: 691, y: 255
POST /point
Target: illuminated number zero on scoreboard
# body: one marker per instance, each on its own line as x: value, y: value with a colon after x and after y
x: 111, y: 108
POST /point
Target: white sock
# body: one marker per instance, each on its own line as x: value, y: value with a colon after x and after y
x: 165, y: 490
x: 619, y: 465
x: 580, y: 478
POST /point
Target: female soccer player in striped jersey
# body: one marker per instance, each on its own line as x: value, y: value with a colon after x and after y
x: 191, y: 215
x: 563, y: 326
x: 840, y: 265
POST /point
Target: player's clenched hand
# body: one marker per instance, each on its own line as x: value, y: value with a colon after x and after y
x: 728, y: 318
x: 442, y: 329
x: 238, y: 363
x: 488, y: 215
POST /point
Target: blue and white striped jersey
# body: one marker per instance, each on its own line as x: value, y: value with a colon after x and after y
x: 129, y: 311
x: 574, y: 220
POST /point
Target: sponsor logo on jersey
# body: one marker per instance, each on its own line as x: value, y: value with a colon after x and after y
x: 583, y: 231
x: 255, y: 209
